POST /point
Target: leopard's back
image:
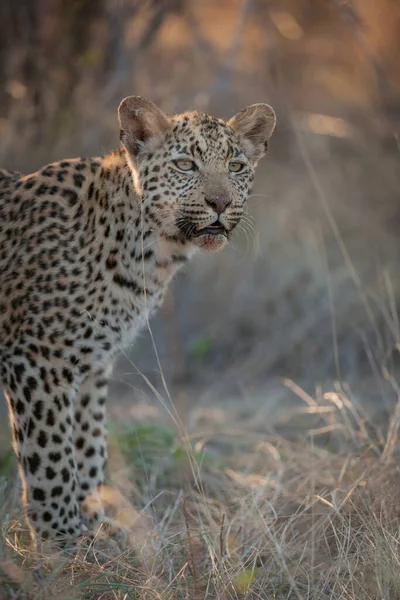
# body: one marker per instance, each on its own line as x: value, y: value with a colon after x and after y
x: 8, y: 179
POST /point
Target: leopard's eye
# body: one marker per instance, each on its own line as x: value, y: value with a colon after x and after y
x: 235, y: 166
x: 185, y: 164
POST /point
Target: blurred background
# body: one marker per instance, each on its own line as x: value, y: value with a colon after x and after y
x: 308, y: 296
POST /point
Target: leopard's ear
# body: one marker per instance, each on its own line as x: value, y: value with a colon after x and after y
x: 255, y: 124
x: 142, y: 124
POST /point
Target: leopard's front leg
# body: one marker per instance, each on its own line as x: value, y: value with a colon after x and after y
x: 41, y: 401
x: 91, y: 444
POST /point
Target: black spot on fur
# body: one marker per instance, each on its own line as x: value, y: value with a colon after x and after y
x: 50, y: 473
x: 56, y: 491
x: 34, y: 462
x: 42, y: 439
x: 79, y: 179
x: 39, y: 494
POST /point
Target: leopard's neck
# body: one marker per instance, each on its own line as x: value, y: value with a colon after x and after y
x: 136, y: 255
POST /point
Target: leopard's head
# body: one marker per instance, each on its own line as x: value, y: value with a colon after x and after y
x: 193, y: 172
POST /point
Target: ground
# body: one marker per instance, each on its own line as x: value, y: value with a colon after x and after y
x: 231, y: 506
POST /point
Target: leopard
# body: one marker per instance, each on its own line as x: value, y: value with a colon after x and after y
x: 88, y: 247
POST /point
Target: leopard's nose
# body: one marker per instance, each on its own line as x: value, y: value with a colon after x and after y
x: 219, y: 203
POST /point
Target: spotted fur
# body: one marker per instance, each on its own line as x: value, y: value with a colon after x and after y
x: 87, y: 249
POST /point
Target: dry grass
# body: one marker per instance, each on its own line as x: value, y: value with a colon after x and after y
x: 232, y: 513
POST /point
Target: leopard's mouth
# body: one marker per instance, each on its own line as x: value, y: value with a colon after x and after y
x: 215, y: 228
x: 211, y: 238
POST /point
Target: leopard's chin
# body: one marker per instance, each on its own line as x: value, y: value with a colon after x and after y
x: 210, y: 241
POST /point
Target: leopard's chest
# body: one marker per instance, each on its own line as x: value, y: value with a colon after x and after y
x: 115, y: 324
x: 126, y: 294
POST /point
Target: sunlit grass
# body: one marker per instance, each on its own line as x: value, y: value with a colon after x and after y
x: 260, y: 515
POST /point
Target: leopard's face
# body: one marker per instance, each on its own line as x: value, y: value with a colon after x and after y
x: 194, y: 176
x: 196, y: 183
